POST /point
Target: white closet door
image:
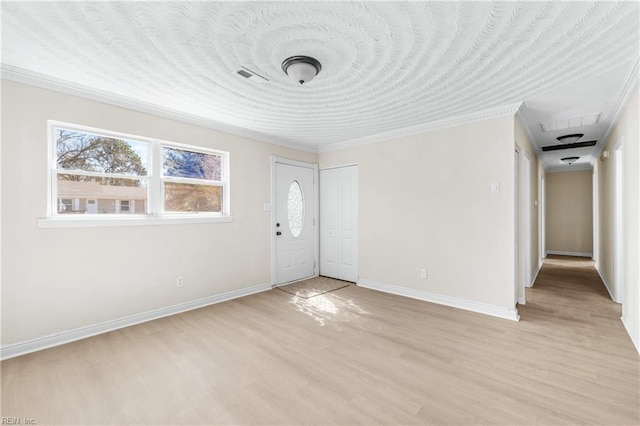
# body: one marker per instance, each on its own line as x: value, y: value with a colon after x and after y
x: 339, y: 223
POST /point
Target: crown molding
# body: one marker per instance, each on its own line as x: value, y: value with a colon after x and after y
x: 488, y: 114
x: 630, y: 83
x: 31, y: 78
x: 20, y: 75
x: 523, y: 118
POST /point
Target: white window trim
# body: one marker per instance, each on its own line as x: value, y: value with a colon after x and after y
x: 156, y: 215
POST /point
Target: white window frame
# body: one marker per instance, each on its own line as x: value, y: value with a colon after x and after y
x: 155, y: 212
x: 190, y: 181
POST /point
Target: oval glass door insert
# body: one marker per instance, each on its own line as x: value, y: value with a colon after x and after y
x: 295, y: 209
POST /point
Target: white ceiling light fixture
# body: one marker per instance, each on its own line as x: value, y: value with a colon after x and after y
x: 569, y: 160
x: 570, y: 138
x: 302, y: 69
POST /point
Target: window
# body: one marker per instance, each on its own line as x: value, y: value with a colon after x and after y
x: 97, y: 173
x: 191, y: 181
x: 65, y: 205
x: 124, y: 206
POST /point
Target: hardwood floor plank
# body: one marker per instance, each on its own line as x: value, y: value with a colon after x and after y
x: 353, y: 356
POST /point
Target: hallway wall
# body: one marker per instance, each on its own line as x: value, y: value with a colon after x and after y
x: 569, y: 213
x: 626, y: 132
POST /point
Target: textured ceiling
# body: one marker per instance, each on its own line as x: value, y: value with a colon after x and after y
x: 386, y: 66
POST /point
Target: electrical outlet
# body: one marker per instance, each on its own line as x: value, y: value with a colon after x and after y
x: 180, y: 282
x: 423, y: 274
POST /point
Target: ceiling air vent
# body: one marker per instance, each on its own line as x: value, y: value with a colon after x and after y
x: 569, y: 146
x: 250, y: 75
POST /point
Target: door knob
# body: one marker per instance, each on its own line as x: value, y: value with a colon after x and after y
x: 278, y: 233
x: 278, y: 225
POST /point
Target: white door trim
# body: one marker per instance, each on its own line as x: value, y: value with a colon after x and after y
x: 527, y: 225
x: 596, y: 218
x: 517, y: 225
x: 272, y: 227
x: 618, y: 221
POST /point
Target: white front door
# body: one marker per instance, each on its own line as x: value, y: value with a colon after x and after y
x: 339, y: 223
x: 294, y: 228
x: 92, y: 206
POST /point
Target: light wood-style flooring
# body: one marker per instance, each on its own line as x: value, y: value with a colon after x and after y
x: 353, y: 356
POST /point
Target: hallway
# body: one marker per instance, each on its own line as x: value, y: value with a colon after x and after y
x: 583, y: 336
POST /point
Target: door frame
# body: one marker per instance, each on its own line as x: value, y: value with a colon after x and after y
x: 517, y: 225
x: 618, y: 221
x: 272, y: 208
x: 543, y: 221
x: 527, y: 225
x: 596, y: 215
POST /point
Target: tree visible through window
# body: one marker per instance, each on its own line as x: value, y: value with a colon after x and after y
x: 93, y: 153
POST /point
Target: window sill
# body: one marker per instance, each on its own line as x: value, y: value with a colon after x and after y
x: 99, y: 222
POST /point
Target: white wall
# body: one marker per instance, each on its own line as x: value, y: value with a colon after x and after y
x: 569, y: 212
x: 61, y: 279
x: 626, y: 130
x: 425, y: 202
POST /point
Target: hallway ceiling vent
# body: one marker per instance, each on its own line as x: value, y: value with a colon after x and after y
x: 569, y: 146
x: 570, y: 123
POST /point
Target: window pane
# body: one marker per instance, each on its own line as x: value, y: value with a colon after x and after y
x: 94, y: 153
x: 295, y: 209
x: 189, y: 164
x: 96, y: 195
x: 192, y: 198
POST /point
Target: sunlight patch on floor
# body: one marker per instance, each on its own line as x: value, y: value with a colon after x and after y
x: 325, y: 308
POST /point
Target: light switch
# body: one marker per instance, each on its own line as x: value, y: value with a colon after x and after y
x: 495, y: 187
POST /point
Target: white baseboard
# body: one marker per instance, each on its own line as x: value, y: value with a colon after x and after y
x: 569, y: 253
x: 607, y: 286
x: 634, y: 338
x: 37, y: 344
x: 522, y: 301
x: 483, y: 308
